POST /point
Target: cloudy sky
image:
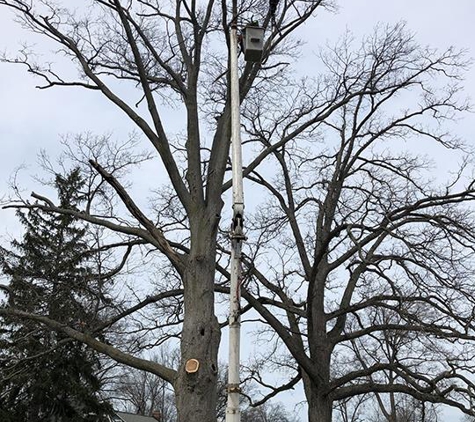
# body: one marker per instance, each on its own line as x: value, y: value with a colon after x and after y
x: 32, y: 119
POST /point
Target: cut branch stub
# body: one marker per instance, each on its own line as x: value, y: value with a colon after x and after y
x: 192, y: 366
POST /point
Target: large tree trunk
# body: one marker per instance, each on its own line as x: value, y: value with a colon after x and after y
x: 319, y: 404
x: 196, y: 393
x: 316, y: 388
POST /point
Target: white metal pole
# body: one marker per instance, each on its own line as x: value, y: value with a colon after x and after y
x: 233, y: 413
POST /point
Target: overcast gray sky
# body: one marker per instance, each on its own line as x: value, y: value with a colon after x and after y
x: 31, y: 119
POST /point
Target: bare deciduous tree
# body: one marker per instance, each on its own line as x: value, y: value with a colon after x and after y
x: 142, y: 393
x: 359, y: 241
x: 176, y: 53
x: 268, y: 413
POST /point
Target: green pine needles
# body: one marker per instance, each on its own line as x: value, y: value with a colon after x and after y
x: 44, y: 376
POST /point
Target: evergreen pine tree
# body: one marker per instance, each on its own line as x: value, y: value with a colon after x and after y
x: 43, y: 375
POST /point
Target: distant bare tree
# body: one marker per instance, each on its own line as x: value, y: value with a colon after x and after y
x: 354, y: 409
x: 141, y: 393
x: 268, y: 413
x: 394, y: 347
x: 404, y: 409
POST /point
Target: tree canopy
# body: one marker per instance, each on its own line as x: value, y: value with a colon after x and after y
x: 359, y: 263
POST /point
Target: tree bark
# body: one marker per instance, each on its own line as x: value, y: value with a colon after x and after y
x: 196, y: 393
x: 319, y: 403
